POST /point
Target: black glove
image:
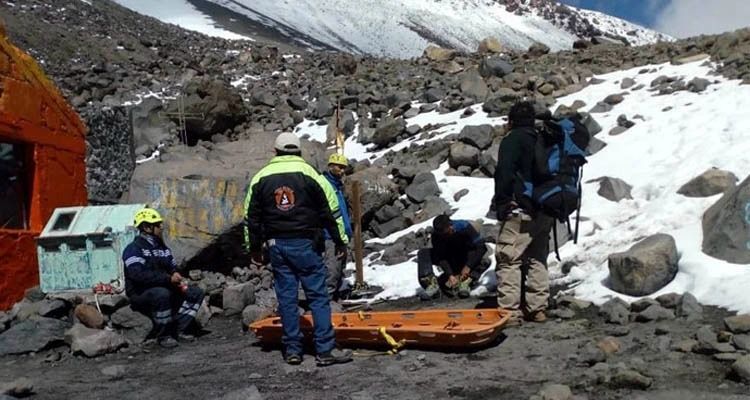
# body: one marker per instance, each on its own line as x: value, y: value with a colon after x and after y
x: 341, y: 250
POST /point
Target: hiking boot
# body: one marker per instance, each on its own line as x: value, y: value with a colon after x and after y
x: 293, y: 359
x: 185, y: 338
x: 333, y: 357
x: 516, y: 319
x: 538, y: 316
x: 464, y: 288
x: 167, y: 342
x: 431, y: 291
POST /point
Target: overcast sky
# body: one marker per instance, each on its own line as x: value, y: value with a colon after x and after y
x: 679, y: 18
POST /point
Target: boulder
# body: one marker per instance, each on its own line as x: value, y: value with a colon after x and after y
x: 376, y: 189
x: 392, y: 226
x: 135, y: 326
x: 93, y: 342
x: 423, y: 186
x: 654, y: 313
x: 613, y: 189
x: 220, y: 103
x: 615, y: 311
x: 255, y: 312
x: 726, y: 225
x: 644, y: 268
x: 590, y: 123
x: 538, y: 49
x: 432, y: 207
x: 738, y: 323
x: 53, y: 308
x: 490, y: 45
x: 394, y: 254
x: 432, y: 95
x: 495, y: 66
x: 501, y: 101
x: 479, y: 136
x: 32, y: 335
x: 19, y: 388
x: 617, y: 130
x: 89, y: 316
x: 697, y: 85
x: 669, y: 300
x: 690, y: 308
x: 435, y: 53
x: 741, y: 367
x: 711, y: 182
x: 388, y: 131
x: 462, y: 154
x: 627, y: 83
x: 614, y: 99
x: 237, y: 297
x: 601, y: 107
x: 473, y: 86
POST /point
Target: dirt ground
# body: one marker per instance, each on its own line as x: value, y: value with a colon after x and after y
x: 525, y: 358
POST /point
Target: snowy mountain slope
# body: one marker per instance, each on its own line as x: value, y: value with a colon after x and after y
x: 665, y: 149
x: 403, y: 28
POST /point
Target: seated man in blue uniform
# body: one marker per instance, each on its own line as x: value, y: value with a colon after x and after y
x: 153, y: 284
x: 458, y: 250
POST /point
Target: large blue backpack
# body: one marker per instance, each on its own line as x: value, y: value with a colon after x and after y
x: 559, y: 156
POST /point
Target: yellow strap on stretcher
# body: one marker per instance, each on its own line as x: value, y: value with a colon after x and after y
x: 396, y: 345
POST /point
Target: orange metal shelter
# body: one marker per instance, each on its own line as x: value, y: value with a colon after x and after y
x: 37, y: 123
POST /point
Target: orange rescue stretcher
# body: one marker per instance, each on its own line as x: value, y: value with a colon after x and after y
x: 436, y: 329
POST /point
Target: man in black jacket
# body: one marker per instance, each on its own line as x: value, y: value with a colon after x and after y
x: 523, y: 243
x: 288, y: 205
x: 458, y: 249
x: 153, y: 284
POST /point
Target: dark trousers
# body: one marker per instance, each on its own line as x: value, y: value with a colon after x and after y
x: 171, y: 310
x: 426, y: 259
x: 295, y: 261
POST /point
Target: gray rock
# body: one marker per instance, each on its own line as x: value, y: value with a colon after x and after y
x: 21, y: 387
x: 394, y: 225
x: 562, y: 313
x: 685, y: 346
x: 727, y: 357
x: 538, y: 49
x: 432, y: 207
x: 741, y: 367
x: 627, y: 83
x: 136, y: 326
x: 601, y: 107
x: 555, y: 392
x: 237, y: 297
x: 618, y: 331
x: 741, y: 342
x: 726, y: 225
x: 495, y: 66
x: 595, y: 146
x: 654, y: 313
x: 697, y: 85
x: 591, y: 354
x: 708, y: 342
x: 461, y: 193
x: 248, y: 393
x: 322, y: 108
x: 617, y: 130
x: 614, y: 99
x: 394, y: 254
x: 479, y: 136
x: 669, y: 300
x: 297, y: 103
x: 644, y: 268
x: 263, y: 98
x: 613, y: 189
x: 255, y: 312
x: 573, y: 303
x: 738, y: 323
x: 53, y: 308
x: 25, y: 309
x: 423, y: 186
x: 388, y: 130
x: 114, y: 372
x: 589, y: 122
x: 501, y: 101
x: 93, y: 342
x: 629, y: 379
x: 32, y: 335
x: 711, y: 182
x: 642, y: 304
x: 462, y: 154
x: 690, y: 308
x: 622, y: 120
x: 111, y: 303
x: 432, y: 95
x: 472, y: 85
x: 615, y: 311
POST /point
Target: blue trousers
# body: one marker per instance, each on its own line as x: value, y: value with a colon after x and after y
x: 295, y: 261
x: 168, y: 308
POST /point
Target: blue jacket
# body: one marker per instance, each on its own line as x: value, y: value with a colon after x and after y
x: 464, y: 247
x: 338, y: 186
x: 148, y: 263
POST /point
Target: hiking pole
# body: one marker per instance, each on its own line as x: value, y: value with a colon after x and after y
x: 578, y: 209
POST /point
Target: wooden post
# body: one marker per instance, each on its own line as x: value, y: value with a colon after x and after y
x: 357, y: 217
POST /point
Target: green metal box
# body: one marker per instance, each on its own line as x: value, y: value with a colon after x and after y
x: 82, y: 246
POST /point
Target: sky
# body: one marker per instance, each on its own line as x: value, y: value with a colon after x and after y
x: 678, y: 18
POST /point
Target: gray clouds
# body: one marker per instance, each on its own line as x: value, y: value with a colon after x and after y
x: 684, y: 18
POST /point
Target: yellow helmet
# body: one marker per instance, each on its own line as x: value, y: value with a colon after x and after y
x: 148, y: 215
x: 338, y: 159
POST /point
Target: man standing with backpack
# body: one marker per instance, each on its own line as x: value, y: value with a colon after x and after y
x: 523, y: 243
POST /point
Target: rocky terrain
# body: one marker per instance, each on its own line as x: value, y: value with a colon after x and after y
x: 667, y: 348
x: 126, y: 74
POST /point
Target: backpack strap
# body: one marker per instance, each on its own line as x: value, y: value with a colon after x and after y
x: 554, y: 236
x: 580, y: 200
